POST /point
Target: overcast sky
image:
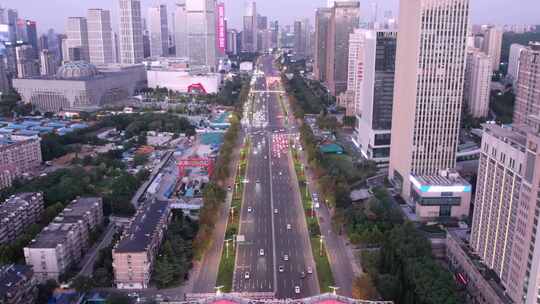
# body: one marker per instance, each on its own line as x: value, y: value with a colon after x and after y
x: 53, y: 13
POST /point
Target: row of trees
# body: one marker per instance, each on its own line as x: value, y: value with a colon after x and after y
x: 214, y: 193
x: 175, y: 255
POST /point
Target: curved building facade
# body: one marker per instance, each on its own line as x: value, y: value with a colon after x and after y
x: 81, y: 86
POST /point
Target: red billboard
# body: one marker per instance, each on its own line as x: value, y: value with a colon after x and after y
x: 221, y: 29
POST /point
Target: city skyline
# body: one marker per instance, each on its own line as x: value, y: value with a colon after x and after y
x: 482, y: 11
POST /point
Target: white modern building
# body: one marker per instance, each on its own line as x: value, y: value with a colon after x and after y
x: 175, y: 74
x: 81, y: 86
x: 477, y: 82
x: 201, y: 21
x: 373, y: 73
x: 492, y: 45
x: 100, y: 37
x: 48, y: 63
x: 513, y: 62
x: 77, y: 38
x: 428, y: 91
x: 180, y: 30
x: 158, y: 30
x: 131, y: 32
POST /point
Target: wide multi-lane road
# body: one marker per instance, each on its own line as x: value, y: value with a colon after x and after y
x: 274, y: 253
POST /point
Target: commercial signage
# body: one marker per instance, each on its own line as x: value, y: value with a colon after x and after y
x: 221, y: 30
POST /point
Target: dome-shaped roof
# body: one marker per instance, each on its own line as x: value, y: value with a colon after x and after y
x: 77, y: 70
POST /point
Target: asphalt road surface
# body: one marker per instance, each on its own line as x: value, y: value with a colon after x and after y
x: 275, y: 253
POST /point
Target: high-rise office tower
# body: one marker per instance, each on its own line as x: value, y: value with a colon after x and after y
x: 274, y: 28
x: 116, y: 48
x: 527, y: 89
x: 26, y: 32
x: 506, y: 210
x: 232, y: 43
x: 48, y: 63
x: 322, y: 21
x: 500, y: 175
x: 32, y: 36
x: 131, y: 40
x: 12, y: 17
x: 492, y: 45
x: 428, y: 92
x: 344, y: 19
x: 374, y: 92
x: 477, y: 83
x: 100, y: 36
x: 300, y: 38
x: 180, y: 30
x: 513, y: 62
x: 43, y: 42
x: 27, y: 66
x: 201, y: 32
x: 77, y: 38
x: 249, y: 32
x: 4, y: 81
x: 158, y: 30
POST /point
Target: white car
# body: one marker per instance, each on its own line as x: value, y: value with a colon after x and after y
x: 261, y: 252
x: 289, y: 227
x: 275, y: 211
x: 246, y: 275
x: 309, y: 270
x: 250, y: 209
x: 285, y: 257
x: 281, y: 269
x: 296, y: 289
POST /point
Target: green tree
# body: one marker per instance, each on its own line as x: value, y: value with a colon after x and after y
x: 83, y: 284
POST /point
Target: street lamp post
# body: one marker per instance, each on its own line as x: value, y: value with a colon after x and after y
x: 321, y: 245
x: 227, y: 248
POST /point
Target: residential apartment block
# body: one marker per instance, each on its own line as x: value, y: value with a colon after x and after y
x: 64, y: 241
x: 17, y: 285
x: 507, y: 209
x: 17, y: 213
x: 477, y: 83
x: 344, y: 19
x: 17, y: 158
x: 134, y: 255
x: 527, y: 87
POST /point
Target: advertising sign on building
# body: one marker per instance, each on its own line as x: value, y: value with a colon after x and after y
x: 221, y: 30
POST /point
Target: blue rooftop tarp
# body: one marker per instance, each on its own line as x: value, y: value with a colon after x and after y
x: 331, y: 149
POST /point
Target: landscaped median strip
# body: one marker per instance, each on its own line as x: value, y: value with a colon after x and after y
x: 324, y: 272
x: 226, y: 265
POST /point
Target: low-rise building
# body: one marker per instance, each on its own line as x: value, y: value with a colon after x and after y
x: 17, y: 213
x: 18, y: 158
x: 17, y: 285
x: 442, y: 196
x: 482, y: 285
x: 81, y: 86
x: 134, y: 255
x: 64, y: 241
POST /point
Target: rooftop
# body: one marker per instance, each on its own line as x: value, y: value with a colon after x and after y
x: 447, y: 181
x: 15, y: 202
x: 80, y: 206
x: 141, y: 231
x: 53, y: 235
x: 510, y: 135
